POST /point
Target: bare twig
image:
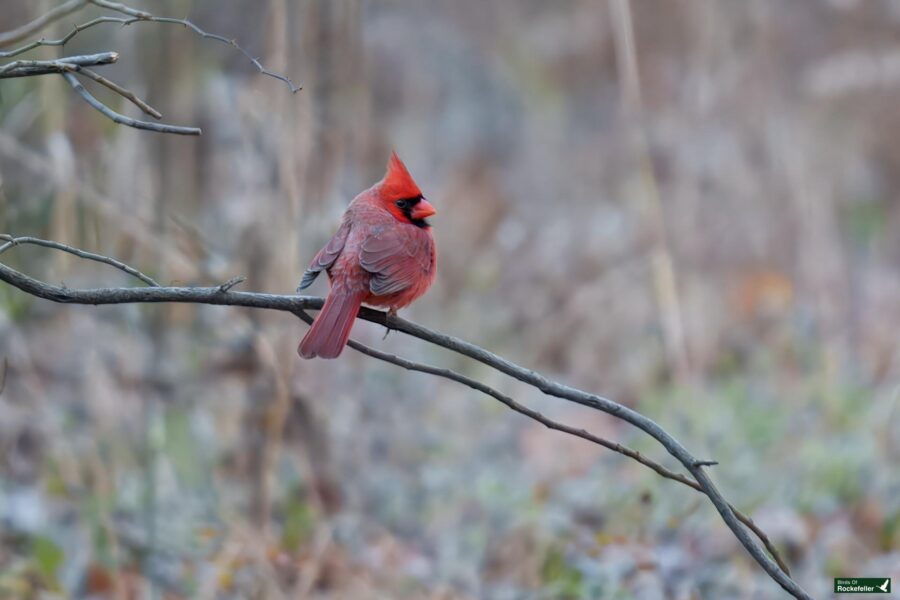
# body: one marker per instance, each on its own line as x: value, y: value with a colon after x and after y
x: 253, y: 60
x: 139, y: 16
x: 16, y: 241
x: 127, y: 94
x: 20, y: 33
x: 32, y: 68
x: 226, y: 287
x: 65, y: 39
x: 122, y: 119
x: 294, y: 304
x: 77, y: 64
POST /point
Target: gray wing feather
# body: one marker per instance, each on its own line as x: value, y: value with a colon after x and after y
x: 326, y: 256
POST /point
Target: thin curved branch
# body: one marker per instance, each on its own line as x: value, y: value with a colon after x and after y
x: 70, y: 65
x: 20, y: 33
x: 555, y: 425
x: 293, y: 304
x: 139, y: 16
x: 122, y: 119
x: 231, y: 42
x: 18, y: 241
x: 559, y: 390
x: 65, y: 39
x: 125, y: 93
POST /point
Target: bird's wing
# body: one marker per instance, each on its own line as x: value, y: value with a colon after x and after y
x: 326, y: 256
x: 396, y: 257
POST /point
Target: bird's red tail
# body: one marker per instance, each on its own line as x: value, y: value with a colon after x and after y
x: 331, y: 329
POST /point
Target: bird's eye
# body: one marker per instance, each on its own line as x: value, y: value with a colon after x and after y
x: 402, y: 203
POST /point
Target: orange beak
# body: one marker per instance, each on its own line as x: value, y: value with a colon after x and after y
x: 422, y: 210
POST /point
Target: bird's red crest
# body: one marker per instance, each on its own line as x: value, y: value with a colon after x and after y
x: 397, y: 182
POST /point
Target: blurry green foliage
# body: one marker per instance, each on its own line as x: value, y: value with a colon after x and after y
x: 299, y: 521
x: 16, y: 306
x: 889, y: 536
x: 562, y: 580
x: 35, y: 573
x: 48, y: 557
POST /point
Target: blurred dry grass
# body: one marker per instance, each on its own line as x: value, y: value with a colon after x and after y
x: 187, y: 450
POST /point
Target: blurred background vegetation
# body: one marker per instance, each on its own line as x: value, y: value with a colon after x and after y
x: 710, y: 237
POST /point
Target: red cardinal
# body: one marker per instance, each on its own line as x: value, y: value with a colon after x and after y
x: 383, y: 254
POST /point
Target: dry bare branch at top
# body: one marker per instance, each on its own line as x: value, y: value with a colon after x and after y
x: 222, y: 296
x: 32, y: 68
x: 77, y: 64
x: 69, y: 66
x: 20, y: 33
